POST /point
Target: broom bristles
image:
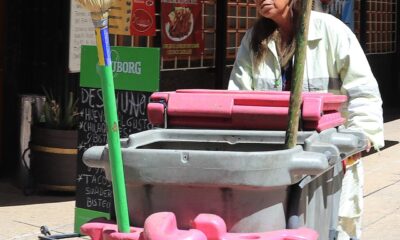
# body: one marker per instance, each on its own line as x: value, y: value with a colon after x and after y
x: 98, y: 8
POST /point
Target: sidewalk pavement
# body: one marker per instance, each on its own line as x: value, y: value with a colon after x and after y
x: 21, y: 216
x: 382, y: 188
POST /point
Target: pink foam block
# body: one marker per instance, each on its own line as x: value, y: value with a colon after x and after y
x: 214, y: 228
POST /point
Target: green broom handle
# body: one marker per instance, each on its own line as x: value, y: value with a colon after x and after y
x: 298, y: 73
x: 104, y: 69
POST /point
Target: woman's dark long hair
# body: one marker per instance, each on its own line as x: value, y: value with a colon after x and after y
x: 263, y: 30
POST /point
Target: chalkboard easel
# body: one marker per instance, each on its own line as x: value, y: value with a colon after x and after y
x: 94, y: 196
x: 94, y: 191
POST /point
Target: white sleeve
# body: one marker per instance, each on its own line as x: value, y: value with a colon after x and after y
x: 364, y: 110
x: 241, y: 76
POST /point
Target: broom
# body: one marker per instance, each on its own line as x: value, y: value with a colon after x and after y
x: 99, y: 13
x: 298, y: 73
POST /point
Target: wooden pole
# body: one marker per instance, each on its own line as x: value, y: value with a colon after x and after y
x: 298, y: 73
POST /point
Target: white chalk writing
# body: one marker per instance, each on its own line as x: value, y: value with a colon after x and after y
x: 94, y: 187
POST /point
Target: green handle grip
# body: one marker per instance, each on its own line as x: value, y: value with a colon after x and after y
x: 114, y: 145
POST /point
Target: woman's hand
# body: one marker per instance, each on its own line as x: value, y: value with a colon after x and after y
x: 368, y: 148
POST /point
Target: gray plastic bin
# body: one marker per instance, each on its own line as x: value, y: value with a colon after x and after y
x: 246, y: 177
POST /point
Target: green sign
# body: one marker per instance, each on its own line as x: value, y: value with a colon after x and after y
x: 136, y: 69
x: 83, y: 216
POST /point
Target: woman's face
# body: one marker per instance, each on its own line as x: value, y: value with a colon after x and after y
x: 272, y: 9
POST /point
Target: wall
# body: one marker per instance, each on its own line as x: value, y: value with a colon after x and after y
x: 397, y: 78
x: 385, y: 67
x: 198, y: 78
x: 35, y: 57
x: 2, y: 47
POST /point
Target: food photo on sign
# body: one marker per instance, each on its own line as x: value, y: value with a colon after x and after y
x: 143, y: 18
x: 181, y: 23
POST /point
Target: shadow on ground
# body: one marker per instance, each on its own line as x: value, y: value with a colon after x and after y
x: 391, y: 114
x: 10, y: 195
x: 388, y: 144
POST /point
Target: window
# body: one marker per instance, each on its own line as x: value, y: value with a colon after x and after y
x: 241, y: 15
x: 381, y: 26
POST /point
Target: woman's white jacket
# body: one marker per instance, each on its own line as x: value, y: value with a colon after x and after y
x: 335, y: 62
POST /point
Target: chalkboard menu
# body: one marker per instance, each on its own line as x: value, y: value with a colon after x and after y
x: 94, y: 190
x: 94, y: 196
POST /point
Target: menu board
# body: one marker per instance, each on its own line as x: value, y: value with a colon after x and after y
x: 94, y: 191
x: 81, y: 32
x: 136, y: 75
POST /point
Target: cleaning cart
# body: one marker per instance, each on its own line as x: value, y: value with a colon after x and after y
x: 232, y: 167
x: 222, y: 167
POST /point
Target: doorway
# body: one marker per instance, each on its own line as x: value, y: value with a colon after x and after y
x: 2, y: 54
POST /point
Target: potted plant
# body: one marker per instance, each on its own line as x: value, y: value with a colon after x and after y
x: 54, y: 145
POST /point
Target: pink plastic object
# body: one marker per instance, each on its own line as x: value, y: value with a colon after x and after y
x: 328, y: 120
x: 215, y: 229
x: 107, y: 230
x: 266, y: 110
x: 157, y: 113
x: 162, y: 226
x: 158, y: 226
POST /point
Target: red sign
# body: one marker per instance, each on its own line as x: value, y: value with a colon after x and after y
x: 143, y: 18
x: 181, y: 28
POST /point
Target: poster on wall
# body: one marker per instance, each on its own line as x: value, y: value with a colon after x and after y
x: 81, y: 32
x: 342, y: 9
x: 133, y: 17
x: 181, y: 23
x: 143, y: 17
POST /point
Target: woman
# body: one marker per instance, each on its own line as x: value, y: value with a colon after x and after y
x: 335, y: 63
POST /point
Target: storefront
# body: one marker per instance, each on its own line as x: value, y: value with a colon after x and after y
x: 224, y: 23
x: 2, y: 48
x: 37, y: 55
